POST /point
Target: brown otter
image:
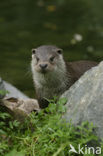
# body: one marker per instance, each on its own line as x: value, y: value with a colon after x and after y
x: 52, y: 75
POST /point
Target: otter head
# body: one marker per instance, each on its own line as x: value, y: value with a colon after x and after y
x: 45, y: 58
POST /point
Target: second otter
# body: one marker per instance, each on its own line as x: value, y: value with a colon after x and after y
x: 52, y: 75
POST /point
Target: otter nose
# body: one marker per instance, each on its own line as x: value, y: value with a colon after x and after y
x: 43, y: 66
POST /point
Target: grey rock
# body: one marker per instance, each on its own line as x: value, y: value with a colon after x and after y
x: 16, y: 103
x: 85, y: 99
x: 1, y: 88
x: 13, y: 91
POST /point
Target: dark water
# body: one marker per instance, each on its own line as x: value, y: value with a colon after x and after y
x: 75, y: 26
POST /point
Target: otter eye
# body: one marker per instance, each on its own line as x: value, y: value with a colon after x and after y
x: 52, y: 59
x: 33, y: 51
x: 59, y: 51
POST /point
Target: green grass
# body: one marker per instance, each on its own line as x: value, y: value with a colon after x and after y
x: 43, y: 134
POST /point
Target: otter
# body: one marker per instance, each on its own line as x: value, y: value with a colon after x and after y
x: 52, y: 75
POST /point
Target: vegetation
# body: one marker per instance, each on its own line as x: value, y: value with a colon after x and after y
x: 75, y: 26
x: 45, y: 133
x: 3, y: 92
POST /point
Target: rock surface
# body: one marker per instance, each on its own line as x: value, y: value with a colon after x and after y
x: 19, y: 109
x: 85, y: 99
x: 13, y: 91
x: 16, y: 103
x: 1, y: 88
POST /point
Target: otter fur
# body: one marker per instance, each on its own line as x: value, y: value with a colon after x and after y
x: 52, y: 75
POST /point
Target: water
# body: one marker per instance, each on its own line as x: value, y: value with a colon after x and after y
x: 75, y: 26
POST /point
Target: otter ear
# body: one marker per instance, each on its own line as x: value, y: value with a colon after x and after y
x: 59, y: 51
x: 33, y: 51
